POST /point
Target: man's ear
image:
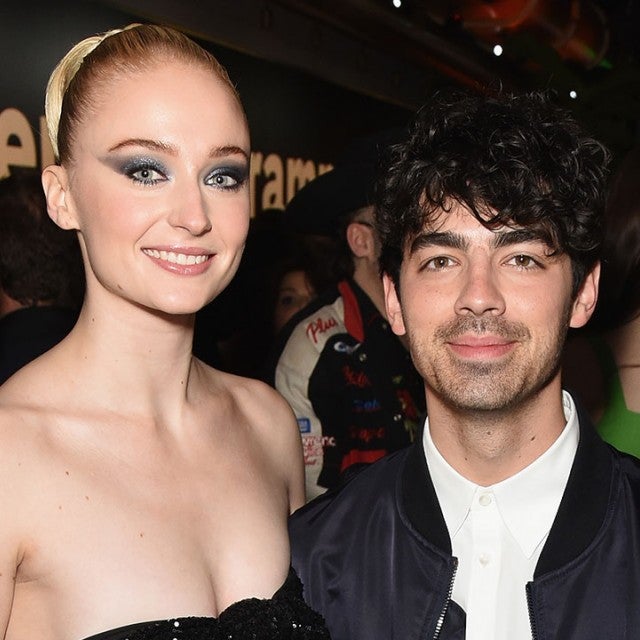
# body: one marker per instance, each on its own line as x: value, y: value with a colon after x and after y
x: 585, y: 302
x: 392, y: 304
x: 55, y: 182
x: 360, y: 240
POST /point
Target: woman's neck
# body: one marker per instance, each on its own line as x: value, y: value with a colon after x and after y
x: 136, y: 359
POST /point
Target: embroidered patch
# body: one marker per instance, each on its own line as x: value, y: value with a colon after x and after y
x: 343, y: 347
x: 319, y: 326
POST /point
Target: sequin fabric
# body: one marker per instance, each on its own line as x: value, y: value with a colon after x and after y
x: 284, y: 617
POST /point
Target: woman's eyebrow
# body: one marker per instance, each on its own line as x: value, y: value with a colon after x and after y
x: 152, y: 145
x: 229, y: 150
x: 164, y: 147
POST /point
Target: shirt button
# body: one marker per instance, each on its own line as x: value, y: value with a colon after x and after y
x: 485, y: 499
x: 397, y: 417
x: 362, y: 357
x: 484, y: 559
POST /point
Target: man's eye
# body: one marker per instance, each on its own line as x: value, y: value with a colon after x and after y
x: 437, y: 263
x: 524, y: 261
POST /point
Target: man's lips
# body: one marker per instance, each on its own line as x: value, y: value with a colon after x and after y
x: 481, y: 347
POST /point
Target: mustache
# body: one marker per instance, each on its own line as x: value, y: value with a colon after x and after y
x: 466, y: 325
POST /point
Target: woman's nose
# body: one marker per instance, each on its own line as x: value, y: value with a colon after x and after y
x: 191, y: 211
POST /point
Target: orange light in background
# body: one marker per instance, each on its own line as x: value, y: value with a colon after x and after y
x: 575, y: 28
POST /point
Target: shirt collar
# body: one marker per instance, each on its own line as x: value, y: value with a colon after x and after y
x: 527, y: 501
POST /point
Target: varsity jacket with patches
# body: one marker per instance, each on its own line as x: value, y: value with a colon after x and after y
x: 350, y: 382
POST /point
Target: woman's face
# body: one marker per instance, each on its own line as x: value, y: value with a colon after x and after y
x: 158, y: 187
x: 294, y: 293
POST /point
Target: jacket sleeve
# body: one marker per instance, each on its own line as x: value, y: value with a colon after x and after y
x: 292, y: 374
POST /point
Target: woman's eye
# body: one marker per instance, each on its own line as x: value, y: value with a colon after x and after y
x: 145, y: 171
x: 146, y: 175
x: 227, y: 178
x: 287, y: 300
x: 222, y: 180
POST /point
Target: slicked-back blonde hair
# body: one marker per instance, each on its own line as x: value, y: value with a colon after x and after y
x: 98, y: 59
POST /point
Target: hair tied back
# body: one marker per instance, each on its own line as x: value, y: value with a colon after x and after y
x: 62, y: 77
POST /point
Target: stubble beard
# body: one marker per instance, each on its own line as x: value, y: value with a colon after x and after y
x: 481, y: 387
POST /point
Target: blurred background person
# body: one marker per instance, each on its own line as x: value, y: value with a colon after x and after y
x: 294, y: 291
x: 348, y: 378
x: 41, y: 277
x: 604, y: 361
x: 281, y: 272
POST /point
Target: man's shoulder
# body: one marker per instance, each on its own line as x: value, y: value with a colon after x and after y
x: 628, y: 464
x: 629, y: 467
x: 371, y: 488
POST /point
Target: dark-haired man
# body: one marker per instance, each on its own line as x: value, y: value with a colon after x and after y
x: 509, y: 519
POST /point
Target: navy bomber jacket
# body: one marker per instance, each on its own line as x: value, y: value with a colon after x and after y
x: 375, y: 555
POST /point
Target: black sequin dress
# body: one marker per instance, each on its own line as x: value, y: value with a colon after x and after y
x: 284, y: 617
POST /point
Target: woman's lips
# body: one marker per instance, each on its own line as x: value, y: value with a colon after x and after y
x: 183, y: 261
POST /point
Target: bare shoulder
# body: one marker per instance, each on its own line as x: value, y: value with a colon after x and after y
x: 30, y: 426
x: 260, y: 405
x: 268, y: 420
x: 23, y: 420
x: 18, y: 410
x: 22, y: 474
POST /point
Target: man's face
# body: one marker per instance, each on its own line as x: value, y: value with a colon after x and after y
x: 485, y: 311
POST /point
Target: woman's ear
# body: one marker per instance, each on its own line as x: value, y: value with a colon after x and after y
x: 55, y: 182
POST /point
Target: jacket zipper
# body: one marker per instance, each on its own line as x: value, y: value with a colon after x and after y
x: 447, y: 601
x: 532, y: 620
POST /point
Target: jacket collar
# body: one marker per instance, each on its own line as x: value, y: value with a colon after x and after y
x: 359, y: 310
x: 580, y: 515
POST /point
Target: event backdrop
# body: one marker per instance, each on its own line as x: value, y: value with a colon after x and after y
x: 299, y: 124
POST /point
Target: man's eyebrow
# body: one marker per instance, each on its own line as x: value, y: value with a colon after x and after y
x: 451, y: 240
x: 446, y: 239
x: 517, y: 236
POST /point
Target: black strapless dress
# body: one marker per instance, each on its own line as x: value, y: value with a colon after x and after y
x: 286, y: 616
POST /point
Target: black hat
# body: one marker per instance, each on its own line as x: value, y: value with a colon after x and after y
x: 318, y: 207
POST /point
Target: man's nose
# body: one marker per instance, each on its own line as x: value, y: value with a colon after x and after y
x: 480, y: 293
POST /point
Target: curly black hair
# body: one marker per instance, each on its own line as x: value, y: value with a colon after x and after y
x: 39, y: 262
x: 514, y: 160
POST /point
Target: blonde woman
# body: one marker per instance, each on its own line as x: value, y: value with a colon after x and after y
x: 144, y: 494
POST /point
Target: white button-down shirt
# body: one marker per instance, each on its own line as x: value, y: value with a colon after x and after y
x: 498, y: 532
